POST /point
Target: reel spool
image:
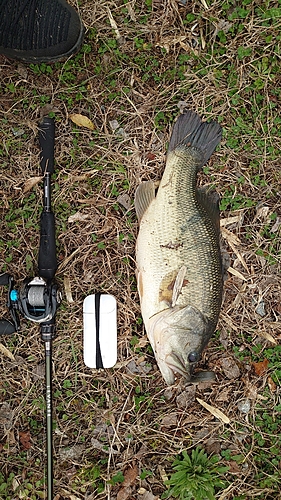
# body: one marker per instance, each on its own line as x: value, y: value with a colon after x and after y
x: 38, y: 301
x: 35, y: 296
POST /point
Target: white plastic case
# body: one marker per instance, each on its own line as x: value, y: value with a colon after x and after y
x: 107, y: 337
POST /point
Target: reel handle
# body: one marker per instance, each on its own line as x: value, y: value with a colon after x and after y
x: 5, y: 279
x: 8, y: 327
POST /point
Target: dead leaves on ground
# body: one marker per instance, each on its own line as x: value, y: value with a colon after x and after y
x: 126, y: 492
x: 82, y: 121
x: 130, y: 476
x: 260, y: 367
x: 30, y: 183
x: 4, y: 350
x: 214, y: 411
x: 25, y: 440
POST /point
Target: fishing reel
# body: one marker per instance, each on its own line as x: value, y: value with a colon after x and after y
x: 37, y: 300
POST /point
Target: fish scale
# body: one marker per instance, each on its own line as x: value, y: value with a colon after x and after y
x: 178, y: 246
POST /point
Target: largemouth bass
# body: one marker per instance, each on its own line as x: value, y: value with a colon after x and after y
x: 179, y: 265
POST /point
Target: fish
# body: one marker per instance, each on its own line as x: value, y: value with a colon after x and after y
x: 179, y: 265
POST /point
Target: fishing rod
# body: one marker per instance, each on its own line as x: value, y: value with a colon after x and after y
x: 38, y: 298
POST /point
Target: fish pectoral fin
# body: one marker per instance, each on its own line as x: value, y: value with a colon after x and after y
x: 144, y: 195
x: 178, y: 284
x: 139, y: 284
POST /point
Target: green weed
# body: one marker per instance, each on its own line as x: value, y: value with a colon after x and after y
x: 197, y: 476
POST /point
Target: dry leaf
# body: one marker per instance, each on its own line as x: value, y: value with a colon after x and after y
x: 150, y: 156
x: 30, y: 183
x: 234, y: 242
x: 213, y: 446
x: 230, y: 368
x: 169, y: 420
x: 236, y: 273
x: 82, y: 121
x: 67, y: 288
x: 230, y: 237
x: 103, y: 447
x: 260, y: 367
x: 11, y: 440
x: 230, y: 220
x: 24, y: 438
x: 124, y: 493
x: 39, y: 371
x: 233, y: 467
x: 271, y: 384
x: 170, y: 41
x: 125, y: 200
x: 78, y: 217
x: 276, y: 225
x: 262, y: 212
x: 6, y: 352
x: 214, y: 411
x: 268, y: 337
x: 186, y: 397
x: 130, y: 475
x: 75, y: 452
x: 143, y: 341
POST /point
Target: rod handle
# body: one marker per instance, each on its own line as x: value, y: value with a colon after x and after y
x: 47, y: 143
x: 47, y: 260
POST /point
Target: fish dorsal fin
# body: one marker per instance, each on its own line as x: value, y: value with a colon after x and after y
x: 145, y: 194
x: 210, y: 200
x: 178, y: 284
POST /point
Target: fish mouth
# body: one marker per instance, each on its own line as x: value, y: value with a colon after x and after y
x: 179, y: 366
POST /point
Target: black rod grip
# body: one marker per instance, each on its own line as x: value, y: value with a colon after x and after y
x: 47, y: 260
x: 47, y: 143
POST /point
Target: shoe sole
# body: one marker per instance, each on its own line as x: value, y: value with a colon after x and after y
x: 21, y: 55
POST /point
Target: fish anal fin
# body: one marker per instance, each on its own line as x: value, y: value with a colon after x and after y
x: 210, y: 200
x: 145, y: 194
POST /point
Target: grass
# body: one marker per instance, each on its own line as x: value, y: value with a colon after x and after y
x: 223, y: 61
x: 195, y: 477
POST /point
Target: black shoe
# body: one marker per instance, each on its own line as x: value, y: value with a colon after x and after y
x: 36, y: 31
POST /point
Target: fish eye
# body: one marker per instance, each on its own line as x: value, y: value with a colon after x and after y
x: 193, y: 357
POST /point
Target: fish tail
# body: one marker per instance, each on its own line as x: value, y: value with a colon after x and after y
x: 189, y: 130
